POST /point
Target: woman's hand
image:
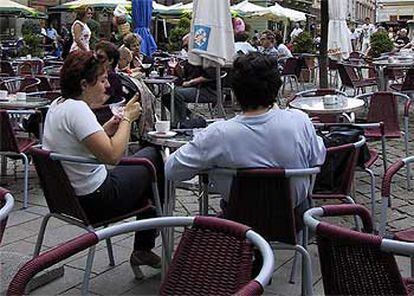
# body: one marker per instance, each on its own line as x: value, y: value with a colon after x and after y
x: 133, y: 108
x: 111, y: 126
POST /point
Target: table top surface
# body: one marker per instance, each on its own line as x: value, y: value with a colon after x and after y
x: 160, y: 80
x: 315, y: 104
x: 29, y: 103
x: 397, y: 62
x: 173, y: 142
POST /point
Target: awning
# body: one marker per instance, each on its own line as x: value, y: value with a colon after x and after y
x: 280, y: 13
x: 246, y: 8
x: 11, y: 8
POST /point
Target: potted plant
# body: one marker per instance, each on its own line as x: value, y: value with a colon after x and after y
x: 380, y: 43
x: 303, y: 43
x: 32, y: 39
x: 176, y: 34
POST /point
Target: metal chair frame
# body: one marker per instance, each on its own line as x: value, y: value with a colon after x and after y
x: 405, y: 133
x: 89, y: 240
x: 86, y: 224
x: 6, y: 206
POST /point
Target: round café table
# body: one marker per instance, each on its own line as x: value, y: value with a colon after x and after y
x: 316, y: 105
x: 399, y: 62
x: 31, y: 103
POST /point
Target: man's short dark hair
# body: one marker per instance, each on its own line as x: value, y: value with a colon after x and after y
x: 255, y: 80
x: 111, y: 51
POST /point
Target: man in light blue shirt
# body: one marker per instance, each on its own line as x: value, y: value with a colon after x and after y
x: 262, y: 136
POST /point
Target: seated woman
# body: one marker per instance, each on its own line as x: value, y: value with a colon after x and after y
x: 72, y: 128
x: 107, y: 53
x: 133, y: 43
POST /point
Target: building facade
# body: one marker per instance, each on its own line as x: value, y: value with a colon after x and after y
x: 393, y: 11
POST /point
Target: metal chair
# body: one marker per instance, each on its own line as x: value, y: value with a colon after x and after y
x: 291, y: 70
x: 356, y: 263
x: 350, y: 79
x: 32, y: 67
x: 48, y: 82
x: 407, y: 86
x: 64, y: 205
x: 12, y: 145
x: 367, y: 167
x: 386, y: 189
x: 6, y: 205
x: 22, y: 84
x: 271, y: 212
x: 214, y: 257
x: 383, y: 107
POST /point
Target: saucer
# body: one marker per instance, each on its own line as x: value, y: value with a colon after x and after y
x: 156, y: 134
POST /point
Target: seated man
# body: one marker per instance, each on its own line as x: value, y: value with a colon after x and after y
x: 199, y: 86
x: 262, y: 136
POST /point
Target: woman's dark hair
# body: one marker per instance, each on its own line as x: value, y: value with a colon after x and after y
x: 255, y: 80
x: 111, y: 51
x: 79, y: 65
x: 82, y: 11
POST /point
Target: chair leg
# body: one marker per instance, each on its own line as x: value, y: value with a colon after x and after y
x: 110, y: 252
x: 26, y: 180
x: 350, y: 200
x: 292, y: 278
x: 283, y: 86
x: 383, y: 218
x: 88, y: 270
x: 307, y: 288
x: 372, y: 176
x: 41, y: 235
x: 412, y: 265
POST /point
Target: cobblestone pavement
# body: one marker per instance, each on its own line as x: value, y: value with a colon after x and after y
x: 23, y: 226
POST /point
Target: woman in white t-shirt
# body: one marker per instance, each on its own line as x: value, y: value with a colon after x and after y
x: 80, y: 31
x: 72, y: 128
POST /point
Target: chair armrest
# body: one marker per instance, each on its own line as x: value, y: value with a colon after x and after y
x: 351, y: 209
x: 19, y: 282
x: 389, y: 174
x: 407, y: 106
x: 140, y: 161
x: 251, y: 288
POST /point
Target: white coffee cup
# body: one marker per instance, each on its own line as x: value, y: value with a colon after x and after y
x: 3, y: 94
x: 162, y: 126
x: 330, y: 99
x: 29, y: 56
x: 21, y: 96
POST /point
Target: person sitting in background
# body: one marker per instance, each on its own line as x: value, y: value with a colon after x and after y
x: 267, y: 43
x: 282, y: 51
x: 133, y: 43
x: 199, y: 85
x: 71, y: 128
x: 241, y: 45
x: 125, y: 59
x: 108, y: 54
x: 262, y: 136
x: 402, y: 40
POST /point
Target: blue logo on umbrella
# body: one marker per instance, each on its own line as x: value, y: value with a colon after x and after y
x: 201, y: 36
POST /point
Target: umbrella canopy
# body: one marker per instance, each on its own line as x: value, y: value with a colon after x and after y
x: 339, y: 41
x: 246, y: 8
x: 280, y: 13
x: 92, y: 3
x: 211, y: 36
x: 8, y: 7
x: 141, y: 14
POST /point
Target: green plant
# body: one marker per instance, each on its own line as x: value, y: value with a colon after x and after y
x: 380, y: 43
x: 32, y: 39
x: 176, y: 34
x: 303, y: 43
x: 95, y: 32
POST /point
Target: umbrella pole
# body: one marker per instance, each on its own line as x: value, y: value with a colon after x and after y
x: 220, y: 108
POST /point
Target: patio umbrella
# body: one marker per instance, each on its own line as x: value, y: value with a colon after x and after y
x: 245, y: 8
x: 280, y: 13
x: 211, y: 38
x: 8, y: 7
x: 92, y: 3
x: 339, y: 41
x: 141, y: 14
